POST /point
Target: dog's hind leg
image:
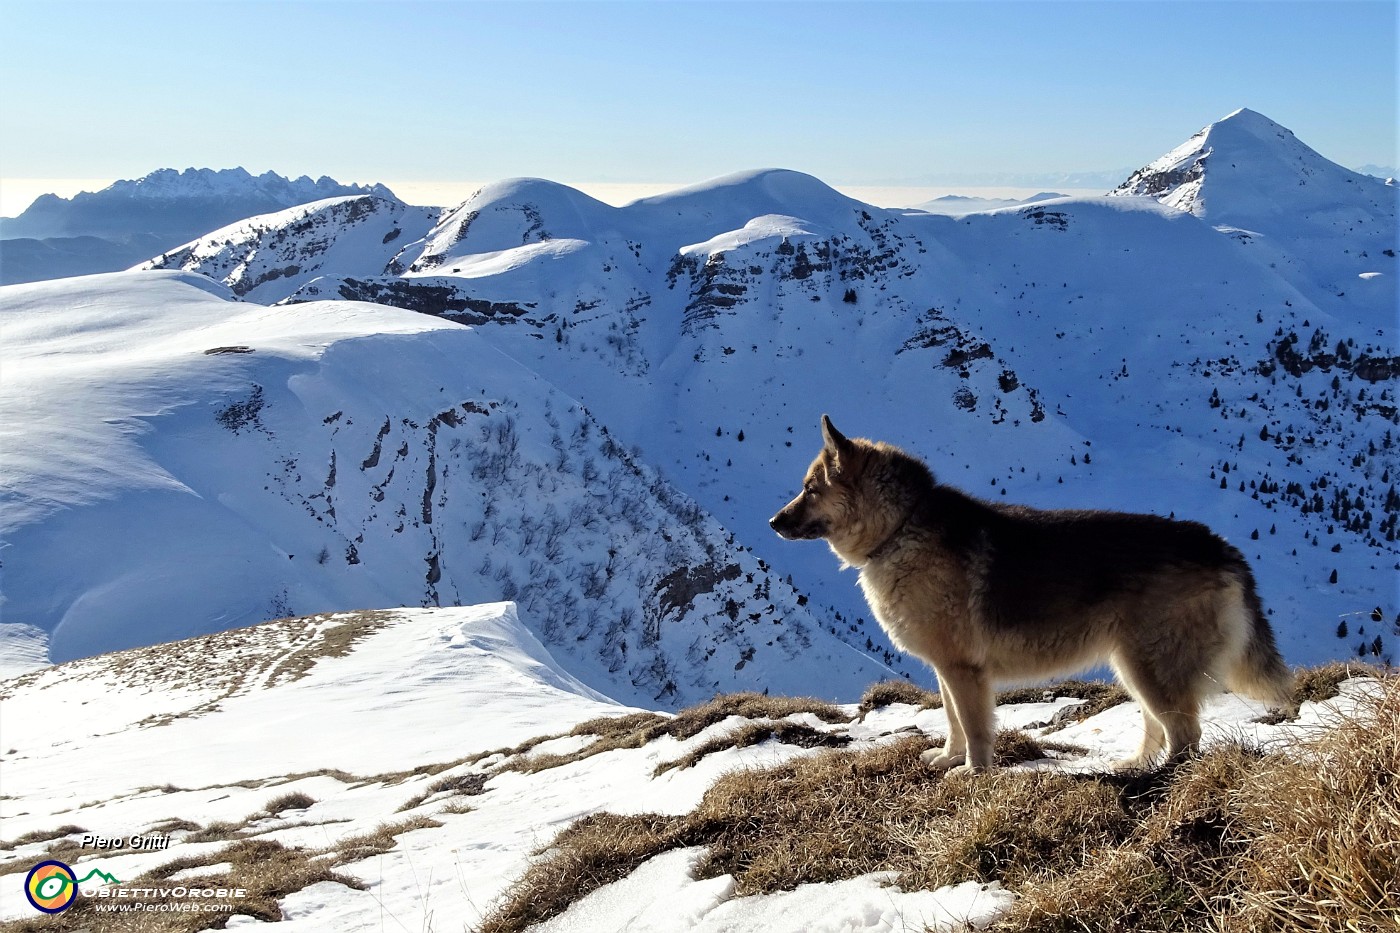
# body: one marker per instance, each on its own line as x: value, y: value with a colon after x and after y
x: 1169, y: 714
x: 971, y: 693
x: 1154, y: 739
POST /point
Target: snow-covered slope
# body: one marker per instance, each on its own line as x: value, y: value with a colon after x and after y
x: 204, y: 463
x: 303, y: 739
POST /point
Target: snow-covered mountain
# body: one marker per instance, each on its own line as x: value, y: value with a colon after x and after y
x: 130, y: 220
x: 178, y: 462
x: 1325, y: 228
x: 1230, y: 358
x: 261, y: 259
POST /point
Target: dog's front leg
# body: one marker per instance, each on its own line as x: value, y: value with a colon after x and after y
x: 954, y: 750
x: 967, y: 692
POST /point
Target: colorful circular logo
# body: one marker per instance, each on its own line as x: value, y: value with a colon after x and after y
x: 51, y: 887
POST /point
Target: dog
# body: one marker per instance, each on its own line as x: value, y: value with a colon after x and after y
x: 986, y: 592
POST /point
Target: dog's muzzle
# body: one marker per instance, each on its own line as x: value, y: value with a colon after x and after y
x: 794, y: 529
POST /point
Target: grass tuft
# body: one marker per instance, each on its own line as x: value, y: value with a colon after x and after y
x: 1324, y: 682
x: 291, y: 801
x: 889, y: 692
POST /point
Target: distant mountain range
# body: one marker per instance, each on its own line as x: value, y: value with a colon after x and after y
x: 959, y: 204
x: 128, y: 221
x: 243, y: 429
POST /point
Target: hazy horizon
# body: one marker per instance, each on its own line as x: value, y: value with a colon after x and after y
x: 17, y: 194
x: 877, y: 94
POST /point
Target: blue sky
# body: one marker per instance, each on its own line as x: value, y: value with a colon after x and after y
x: 857, y: 93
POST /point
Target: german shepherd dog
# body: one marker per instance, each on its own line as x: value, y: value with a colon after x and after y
x: 986, y: 592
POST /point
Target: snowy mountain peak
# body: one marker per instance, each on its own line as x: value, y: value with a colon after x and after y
x: 730, y: 201
x: 1242, y: 168
x: 1252, y: 121
x: 512, y: 213
x: 778, y: 183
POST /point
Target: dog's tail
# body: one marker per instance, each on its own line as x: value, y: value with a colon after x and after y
x: 1257, y: 669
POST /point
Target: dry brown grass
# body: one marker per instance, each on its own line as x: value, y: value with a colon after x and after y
x: 63, y: 848
x: 1097, y: 696
x: 467, y: 785
x: 219, y: 831
x: 1235, y: 839
x: 637, y: 729
x: 1302, y: 842
x: 458, y: 785
x: 826, y: 818
x: 296, y: 800
x: 266, y: 870
x: 888, y: 692
x: 41, y: 835
x: 756, y: 733
x: 1324, y: 682
x: 377, y: 841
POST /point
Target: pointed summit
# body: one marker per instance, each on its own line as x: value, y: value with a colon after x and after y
x: 1248, y: 171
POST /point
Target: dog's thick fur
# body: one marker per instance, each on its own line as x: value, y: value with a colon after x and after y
x: 986, y: 593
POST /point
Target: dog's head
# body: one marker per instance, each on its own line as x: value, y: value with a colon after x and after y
x: 823, y: 509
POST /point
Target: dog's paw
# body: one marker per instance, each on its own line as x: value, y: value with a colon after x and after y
x: 966, y: 771
x: 936, y: 759
x: 1136, y: 763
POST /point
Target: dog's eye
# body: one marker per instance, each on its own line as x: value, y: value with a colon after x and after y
x: 810, y: 489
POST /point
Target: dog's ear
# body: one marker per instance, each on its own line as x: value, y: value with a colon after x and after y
x: 836, y: 442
